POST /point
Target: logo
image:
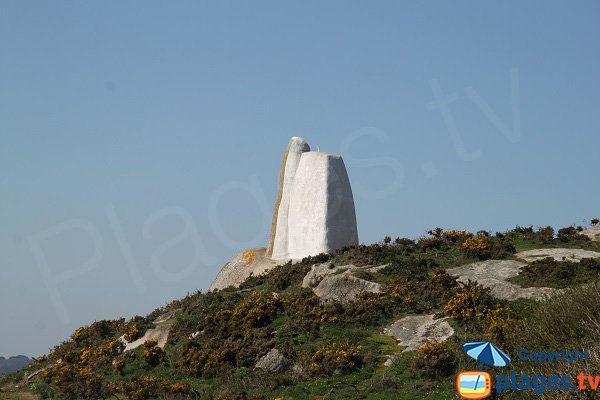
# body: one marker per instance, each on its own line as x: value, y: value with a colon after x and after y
x: 474, y: 384
x: 478, y: 384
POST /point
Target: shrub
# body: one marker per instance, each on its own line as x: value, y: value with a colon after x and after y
x: 403, y: 242
x: 418, y: 289
x: 150, y: 387
x: 434, y: 243
x: 470, y: 303
x: 457, y: 236
x: 119, y: 365
x: 546, y: 234
x: 89, y: 336
x: 283, y: 276
x: 336, y: 357
x: 476, y: 246
x: 557, y: 274
x: 153, y: 355
x: 249, y: 256
x: 135, y: 328
x: 500, y: 324
x: 205, y: 362
x: 74, y: 382
x: 433, y: 360
x: 571, y: 233
x: 257, y: 310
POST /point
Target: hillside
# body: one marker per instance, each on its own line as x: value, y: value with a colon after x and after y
x: 379, y: 321
x: 12, y: 364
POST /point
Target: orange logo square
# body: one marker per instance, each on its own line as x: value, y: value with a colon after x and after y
x: 474, y: 384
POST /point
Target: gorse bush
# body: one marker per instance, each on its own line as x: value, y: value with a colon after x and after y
x: 433, y: 360
x: 571, y: 233
x: 546, y: 236
x: 153, y: 354
x: 476, y: 246
x: 418, y: 289
x: 151, y: 387
x: 469, y: 303
x: 557, y: 274
x: 74, y: 382
x: 500, y: 324
x: 478, y: 311
x: 135, y: 328
x: 336, y: 357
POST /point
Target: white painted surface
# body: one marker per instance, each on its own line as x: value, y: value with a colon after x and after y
x: 296, y: 147
x: 321, y: 215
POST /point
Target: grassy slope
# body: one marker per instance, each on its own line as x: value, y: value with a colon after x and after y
x: 373, y: 380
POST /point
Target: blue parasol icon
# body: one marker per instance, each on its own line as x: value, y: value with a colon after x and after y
x: 487, y: 353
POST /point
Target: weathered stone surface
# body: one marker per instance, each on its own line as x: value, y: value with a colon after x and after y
x: 273, y: 361
x: 321, y: 215
x: 493, y: 274
x: 34, y: 374
x: 415, y: 330
x: 278, y: 240
x: 560, y: 254
x: 248, y: 262
x: 160, y: 334
x: 593, y: 233
x: 166, y: 317
x: 319, y: 271
x: 344, y: 288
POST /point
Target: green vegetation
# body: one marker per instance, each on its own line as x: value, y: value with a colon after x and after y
x: 336, y: 350
x: 557, y: 274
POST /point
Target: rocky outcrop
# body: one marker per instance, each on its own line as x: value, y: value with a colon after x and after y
x: 560, y: 254
x: 344, y: 288
x: 319, y: 271
x: 160, y: 332
x: 273, y: 361
x: 415, y: 330
x: 593, y: 233
x: 493, y: 274
x: 241, y: 267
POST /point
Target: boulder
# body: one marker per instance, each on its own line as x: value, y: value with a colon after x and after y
x: 344, y: 288
x: 493, y: 274
x: 319, y: 271
x: 415, y: 330
x: 241, y: 267
x: 593, y: 233
x: 559, y: 254
x: 160, y: 334
x: 273, y: 361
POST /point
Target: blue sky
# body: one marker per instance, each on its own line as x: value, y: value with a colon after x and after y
x: 140, y: 141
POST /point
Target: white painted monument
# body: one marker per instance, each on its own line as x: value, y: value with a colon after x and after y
x: 316, y: 211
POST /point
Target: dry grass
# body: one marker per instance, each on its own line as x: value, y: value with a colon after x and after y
x: 569, y: 321
x: 17, y: 396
